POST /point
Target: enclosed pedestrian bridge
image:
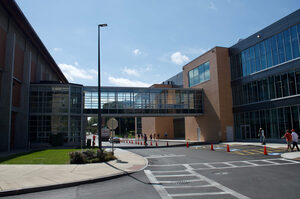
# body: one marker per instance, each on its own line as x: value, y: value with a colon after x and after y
x: 52, y: 99
x: 143, y: 102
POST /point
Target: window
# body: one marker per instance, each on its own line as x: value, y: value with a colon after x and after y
x: 294, y: 41
x: 277, y: 49
x: 199, y: 74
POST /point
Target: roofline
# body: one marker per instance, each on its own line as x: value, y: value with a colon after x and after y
x: 203, y: 55
x: 14, y: 10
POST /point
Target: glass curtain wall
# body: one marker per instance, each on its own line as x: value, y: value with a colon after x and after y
x: 55, y: 109
x: 272, y: 87
x: 274, y: 121
x: 143, y: 101
x: 275, y: 50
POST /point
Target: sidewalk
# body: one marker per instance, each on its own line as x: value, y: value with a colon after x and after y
x: 19, y: 179
x: 287, y: 155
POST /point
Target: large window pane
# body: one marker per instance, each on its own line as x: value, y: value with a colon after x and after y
x: 295, y: 118
x: 280, y: 47
x: 281, y: 123
x: 257, y: 58
x: 244, y: 63
x: 265, y: 89
x: 252, y: 60
x: 292, y: 85
x: 294, y: 40
x: 263, y: 55
x: 254, y: 90
x: 285, y: 87
x: 206, y: 71
x: 274, y: 51
x: 287, y: 45
x: 248, y: 66
x: 297, y: 74
x: 274, y: 124
x: 271, y: 87
x: 278, y: 86
x: 268, y: 53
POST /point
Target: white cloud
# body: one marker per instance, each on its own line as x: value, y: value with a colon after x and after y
x: 57, y: 49
x: 126, y: 82
x: 93, y: 71
x: 76, y: 63
x: 212, y: 6
x: 132, y: 72
x: 72, y: 72
x: 178, y: 58
x: 137, y: 52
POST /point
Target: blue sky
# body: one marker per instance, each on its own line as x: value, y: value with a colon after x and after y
x: 146, y: 41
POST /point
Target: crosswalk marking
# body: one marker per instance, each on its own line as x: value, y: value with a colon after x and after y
x: 161, y: 188
x: 231, y: 164
x: 166, y: 176
x: 164, y: 156
x: 195, y: 186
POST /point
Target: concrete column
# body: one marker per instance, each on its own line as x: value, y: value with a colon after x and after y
x: 21, y: 134
x: 6, y: 93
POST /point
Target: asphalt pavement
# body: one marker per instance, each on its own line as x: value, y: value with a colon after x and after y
x: 181, y: 172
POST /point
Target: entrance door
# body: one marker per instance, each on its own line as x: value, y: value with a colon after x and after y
x: 245, y: 130
x: 198, y: 133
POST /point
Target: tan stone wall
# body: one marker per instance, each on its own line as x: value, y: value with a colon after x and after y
x: 217, y: 98
x: 225, y: 94
x: 148, y: 125
x: 164, y: 124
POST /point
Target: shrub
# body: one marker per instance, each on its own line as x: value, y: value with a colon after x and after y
x: 90, y: 156
x: 77, y: 158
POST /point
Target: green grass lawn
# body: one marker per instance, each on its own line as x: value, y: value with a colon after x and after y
x: 50, y: 156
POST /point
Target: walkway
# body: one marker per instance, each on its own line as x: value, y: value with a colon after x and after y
x: 17, y: 179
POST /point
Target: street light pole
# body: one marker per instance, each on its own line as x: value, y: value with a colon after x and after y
x: 99, y: 91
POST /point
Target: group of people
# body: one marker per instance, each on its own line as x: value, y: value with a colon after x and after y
x: 290, y: 136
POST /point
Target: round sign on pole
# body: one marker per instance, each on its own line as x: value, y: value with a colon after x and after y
x: 112, y: 123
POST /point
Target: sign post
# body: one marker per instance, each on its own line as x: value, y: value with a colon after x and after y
x: 112, y: 124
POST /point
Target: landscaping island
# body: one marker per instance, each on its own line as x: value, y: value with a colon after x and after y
x: 59, y: 156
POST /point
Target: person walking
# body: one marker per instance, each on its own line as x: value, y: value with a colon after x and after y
x: 288, y: 138
x: 261, y: 134
x: 145, y: 139
x: 151, y: 137
x: 295, y: 137
x: 166, y: 135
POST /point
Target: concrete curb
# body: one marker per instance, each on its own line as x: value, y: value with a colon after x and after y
x: 59, y: 186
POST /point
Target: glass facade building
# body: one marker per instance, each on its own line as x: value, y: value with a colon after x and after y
x: 55, y: 109
x: 265, y: 73
x: 279, y: 48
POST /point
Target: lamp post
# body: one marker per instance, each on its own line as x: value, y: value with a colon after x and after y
x: 99, y: 91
